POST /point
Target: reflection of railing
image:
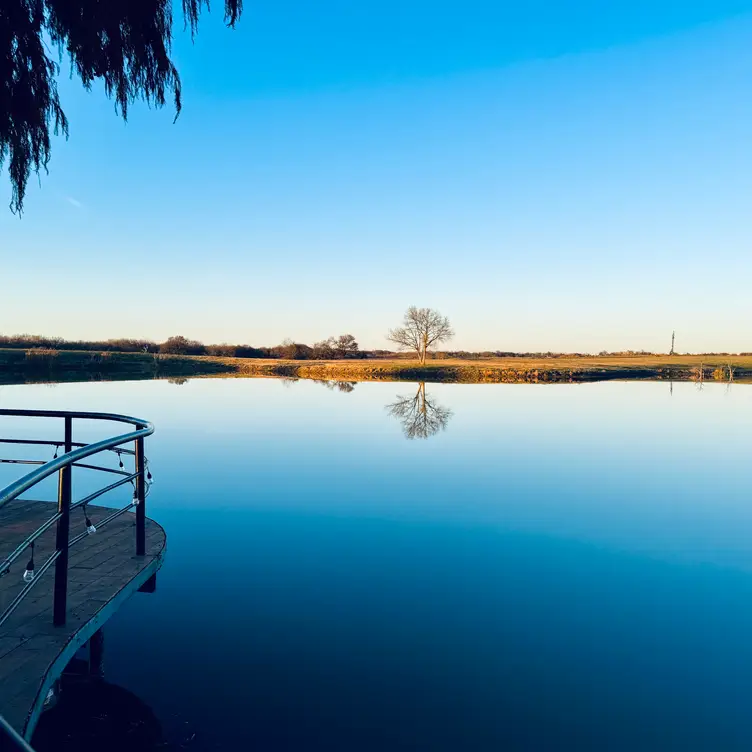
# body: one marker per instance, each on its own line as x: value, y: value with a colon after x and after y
x: 63, y: 466
x: 10, y: 739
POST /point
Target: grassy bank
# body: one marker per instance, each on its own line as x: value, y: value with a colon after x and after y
x: 508, y: 370
x: 40, y: 365
x: 24, y: 366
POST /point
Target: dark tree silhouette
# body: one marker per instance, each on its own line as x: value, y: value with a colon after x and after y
x: 180, y: 345
x: 345, y: 345
x: 421, y: 329
x: 323, y: 350
x: 124, y: 43
x: 419, y: 416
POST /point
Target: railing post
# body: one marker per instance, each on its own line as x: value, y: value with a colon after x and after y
x: 140, y: 498
x: 63, y: 531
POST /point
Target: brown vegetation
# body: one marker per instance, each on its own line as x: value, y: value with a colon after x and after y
x: 20, y: 365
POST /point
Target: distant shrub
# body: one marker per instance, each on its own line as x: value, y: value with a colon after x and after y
x: 222, y: 351
x: 180, y: 345
x: 130, y: 345
x: 290, y: 350
x: 323, y: 350
x: 225, y: 350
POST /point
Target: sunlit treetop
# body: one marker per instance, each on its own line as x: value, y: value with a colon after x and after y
x: 125, y: 43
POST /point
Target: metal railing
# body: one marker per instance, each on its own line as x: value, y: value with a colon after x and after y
x: 11, y: 740
x: 74, y: 453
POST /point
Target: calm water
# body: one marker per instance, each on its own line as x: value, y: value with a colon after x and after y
x: 552, y: 567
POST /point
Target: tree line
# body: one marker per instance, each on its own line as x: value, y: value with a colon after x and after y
x: 421, y: 333
x: 333, y: 348
x: 422, y: 329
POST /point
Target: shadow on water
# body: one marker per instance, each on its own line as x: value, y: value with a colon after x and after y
x: 420, y: 417
x: 92, y: 715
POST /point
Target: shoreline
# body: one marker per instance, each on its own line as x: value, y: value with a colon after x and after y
x: 30, y: 366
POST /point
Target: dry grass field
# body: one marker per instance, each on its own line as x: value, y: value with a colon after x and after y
x: 65, y: 365
x: 500, y: 370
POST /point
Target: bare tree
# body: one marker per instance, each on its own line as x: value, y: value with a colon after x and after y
x: 323, y: 350
x: 421, y: 329
x: 345, y: 345
x: 420, y: 418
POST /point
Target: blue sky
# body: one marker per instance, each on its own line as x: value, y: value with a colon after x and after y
x: 554, y: 176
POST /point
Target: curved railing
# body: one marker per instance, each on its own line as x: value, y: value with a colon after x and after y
x: 73, y: 454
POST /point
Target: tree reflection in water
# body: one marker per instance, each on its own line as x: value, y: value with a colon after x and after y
x: 419, y: 416
x: 340, y: 386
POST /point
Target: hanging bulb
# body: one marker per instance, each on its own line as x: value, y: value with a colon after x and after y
x: 148, y: 475
x: 90, y: 529
x: 28, y: 574
x: 120, y: 457
x: 135, y: 497
x: 54, y: 456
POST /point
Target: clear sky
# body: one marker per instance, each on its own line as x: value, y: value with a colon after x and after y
x: 550, y: 175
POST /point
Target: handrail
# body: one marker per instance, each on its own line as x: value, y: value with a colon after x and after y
x: 144, y: 428
x: 64, y: 465
x: 9, y: 736
x: 74, y: 453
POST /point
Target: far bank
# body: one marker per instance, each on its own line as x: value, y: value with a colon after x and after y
x: 24, y: 366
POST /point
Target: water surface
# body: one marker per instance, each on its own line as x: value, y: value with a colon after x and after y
x: 540, y: 567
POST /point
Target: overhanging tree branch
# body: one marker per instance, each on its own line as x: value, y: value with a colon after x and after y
x: 124, y: 43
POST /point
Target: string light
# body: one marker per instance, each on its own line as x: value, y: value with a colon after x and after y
x: 28, y: 574
x: 90, y: 529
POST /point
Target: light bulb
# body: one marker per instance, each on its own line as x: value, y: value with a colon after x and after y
x: 28, y: 574
x: 90, y: 529
x: 135, y: 498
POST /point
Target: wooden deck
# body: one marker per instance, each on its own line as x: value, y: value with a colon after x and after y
x: 103, y: 572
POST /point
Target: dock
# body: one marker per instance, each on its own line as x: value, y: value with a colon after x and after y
x: 103, y: 572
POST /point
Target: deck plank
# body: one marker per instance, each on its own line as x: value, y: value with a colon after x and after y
x: 103, y: 571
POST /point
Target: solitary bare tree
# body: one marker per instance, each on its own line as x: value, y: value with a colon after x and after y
x: 421, y: 329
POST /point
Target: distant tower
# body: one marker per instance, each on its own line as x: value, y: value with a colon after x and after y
x: 673, y: 339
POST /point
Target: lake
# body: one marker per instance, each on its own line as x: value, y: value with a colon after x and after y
x: 468, y: 567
